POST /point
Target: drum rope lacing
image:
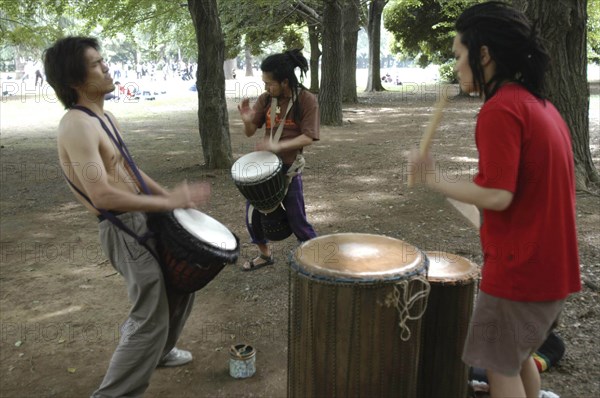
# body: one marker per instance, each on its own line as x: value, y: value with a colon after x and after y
x: 404, y: 300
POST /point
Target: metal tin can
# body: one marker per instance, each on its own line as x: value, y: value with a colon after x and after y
x: 242, y: 361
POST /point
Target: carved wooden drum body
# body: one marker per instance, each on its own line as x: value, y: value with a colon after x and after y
x: 356, y: 302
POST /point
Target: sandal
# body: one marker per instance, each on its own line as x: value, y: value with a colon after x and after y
x: 253, y: 265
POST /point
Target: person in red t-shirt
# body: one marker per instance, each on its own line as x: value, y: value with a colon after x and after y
x: 525, y: 186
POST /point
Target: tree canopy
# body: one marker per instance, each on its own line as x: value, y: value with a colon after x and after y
x: 423, y: 29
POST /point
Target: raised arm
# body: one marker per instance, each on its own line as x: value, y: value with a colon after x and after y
x: 247, y: 115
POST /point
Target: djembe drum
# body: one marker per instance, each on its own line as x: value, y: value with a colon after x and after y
x: 442, y: 372
x: 193, y: 247
x: 356, y: 302
x: 260, y: 178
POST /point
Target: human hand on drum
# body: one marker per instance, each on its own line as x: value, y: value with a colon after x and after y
x: 186, y: 195
x: 246, y: 112
x: 268, y: 145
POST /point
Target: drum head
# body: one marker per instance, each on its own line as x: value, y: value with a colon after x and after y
x: 205, y: 228
x: 255, y: 166
x: 358, y: 258
x: 450, y: 268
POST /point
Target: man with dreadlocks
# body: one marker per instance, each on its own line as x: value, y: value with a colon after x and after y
x: 298, y: 110
x: 525, y: 186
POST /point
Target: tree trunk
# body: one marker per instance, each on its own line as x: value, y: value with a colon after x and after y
x: 210, y: 80
x: 19, y: 64
x: 350, y: 36
x: 330, y: 96
x: 374, y: 33
x: 315, y: 55
x: 248, y: 60
x: 563, y: 26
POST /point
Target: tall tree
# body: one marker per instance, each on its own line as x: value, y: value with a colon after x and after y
x: 374, y: 32
x: 212, y: 105
x: 314, y: 38
x: 563, y: 26
x: 330, y: 95
x: 311, y: 12
x: 351, y: 15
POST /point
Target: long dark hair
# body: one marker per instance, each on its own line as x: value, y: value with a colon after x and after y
x: 65, y: 67
x: 513, y: 43
x: 282, y: 66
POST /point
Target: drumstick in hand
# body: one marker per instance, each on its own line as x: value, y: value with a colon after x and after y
x: 434, y: 122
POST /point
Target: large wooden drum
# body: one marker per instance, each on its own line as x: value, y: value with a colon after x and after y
x: 453, y: 281
x: 356, y: 302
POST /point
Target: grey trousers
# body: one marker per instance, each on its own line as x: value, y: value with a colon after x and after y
x: 156, y: 317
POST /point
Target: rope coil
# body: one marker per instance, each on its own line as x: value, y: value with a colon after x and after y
x: 404, y: 299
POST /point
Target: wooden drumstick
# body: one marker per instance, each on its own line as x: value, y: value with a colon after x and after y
x: 427, y: 137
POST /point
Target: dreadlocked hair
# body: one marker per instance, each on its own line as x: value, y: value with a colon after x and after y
x: 513, y: 43
x: 282, y: 66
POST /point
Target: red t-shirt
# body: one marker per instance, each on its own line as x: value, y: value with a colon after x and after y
x: 530, y: 249
x: 308, y: 123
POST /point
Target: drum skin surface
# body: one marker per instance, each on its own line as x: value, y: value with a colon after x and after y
x: 344, y: 323
x: 453, y: 282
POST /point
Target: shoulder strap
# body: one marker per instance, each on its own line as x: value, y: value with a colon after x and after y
x: 277, y: 136
x: 110, y: 216
x: 118, y: 141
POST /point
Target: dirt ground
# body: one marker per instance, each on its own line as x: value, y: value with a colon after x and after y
x: 62, y: 302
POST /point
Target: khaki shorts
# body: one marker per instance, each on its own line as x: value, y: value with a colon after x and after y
x: 504, y: 333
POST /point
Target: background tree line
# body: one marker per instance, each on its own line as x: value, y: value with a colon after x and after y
x: 212, y: 31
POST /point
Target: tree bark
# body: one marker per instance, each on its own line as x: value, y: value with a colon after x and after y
x: 563, y: 26
x: 350, y: 35
x: 248, y: 59
x: 330, y: 96
x: 374, y: 33
x: 315, y: 55
x: 210, y: 80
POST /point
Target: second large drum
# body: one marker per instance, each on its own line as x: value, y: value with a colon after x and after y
x: 356, y: 302
x: 442, y: 373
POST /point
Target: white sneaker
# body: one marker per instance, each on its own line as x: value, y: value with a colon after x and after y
x: 548, y: 394
x: 175, y: 357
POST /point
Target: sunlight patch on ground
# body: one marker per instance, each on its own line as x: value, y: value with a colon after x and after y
x: 65, y: 311
x: 463, y: 159
x: 367, y: 180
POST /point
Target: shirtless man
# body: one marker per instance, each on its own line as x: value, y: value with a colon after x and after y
x: 101, y: 178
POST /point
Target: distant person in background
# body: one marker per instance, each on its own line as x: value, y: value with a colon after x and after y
x: 28, y: 70
x: 37, y: 66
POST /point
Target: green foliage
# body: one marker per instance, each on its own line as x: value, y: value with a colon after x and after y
x: 30, y: 26
x: 593, y: 31
x: 447, y: 74
x: 292, y: 37
x: 423, y: 29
